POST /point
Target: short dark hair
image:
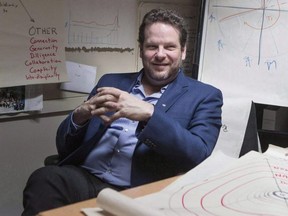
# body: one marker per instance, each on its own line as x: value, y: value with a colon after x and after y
x: 166, y: 16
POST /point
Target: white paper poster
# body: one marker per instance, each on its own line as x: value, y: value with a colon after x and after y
x: 244, y: 53
x: 102, y: 24
x: 32, y: 42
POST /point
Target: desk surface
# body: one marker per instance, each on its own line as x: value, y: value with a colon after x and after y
x: 75, y: 209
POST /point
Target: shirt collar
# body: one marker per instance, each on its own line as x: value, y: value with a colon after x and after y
x: 138, y: 84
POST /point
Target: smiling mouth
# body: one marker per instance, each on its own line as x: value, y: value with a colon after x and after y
x: 160, y: 65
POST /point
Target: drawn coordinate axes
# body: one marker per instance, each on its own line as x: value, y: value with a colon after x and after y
x: 265, y: 15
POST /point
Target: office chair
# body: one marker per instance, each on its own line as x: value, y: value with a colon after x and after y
x: 250, y: 141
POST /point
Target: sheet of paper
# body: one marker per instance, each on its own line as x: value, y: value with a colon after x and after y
x: 82, y: 77
x: 102, y: 24
x: 32, y: 42
x: 255, y: 184
x: 277, y: 151
x: 247, y: 61
x: 214, y: 164
x: 112, y: 202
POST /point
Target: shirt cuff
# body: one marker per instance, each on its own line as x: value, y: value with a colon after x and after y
x: 76, y: 126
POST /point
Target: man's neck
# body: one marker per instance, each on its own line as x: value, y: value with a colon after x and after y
x: 150, y: 88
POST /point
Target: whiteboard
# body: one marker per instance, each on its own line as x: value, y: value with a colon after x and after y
x: 244, y: 53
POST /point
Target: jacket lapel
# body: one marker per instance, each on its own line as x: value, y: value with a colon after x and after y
x: 128, y: 82
x: 174, y: 91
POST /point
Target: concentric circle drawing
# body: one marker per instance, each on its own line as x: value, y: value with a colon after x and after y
x: 257, y: 28
x: 258, y: 185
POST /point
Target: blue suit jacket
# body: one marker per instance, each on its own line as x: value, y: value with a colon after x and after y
x: 181, y: 133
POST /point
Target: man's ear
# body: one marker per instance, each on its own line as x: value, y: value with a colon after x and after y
x: 141, y: 51
x: 184, y: 52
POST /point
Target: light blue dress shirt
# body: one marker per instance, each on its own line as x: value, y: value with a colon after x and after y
x: 111, y: 158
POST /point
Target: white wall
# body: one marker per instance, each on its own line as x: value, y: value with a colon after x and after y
x: 27, y: 140
x: 24, y: 145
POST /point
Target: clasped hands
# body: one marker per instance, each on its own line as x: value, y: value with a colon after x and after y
x: 115, y: 101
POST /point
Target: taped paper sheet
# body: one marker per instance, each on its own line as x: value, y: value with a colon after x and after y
x: 115, y: 203
x: 82, y: 77
x: 32, y: 42
x: 102, y: 25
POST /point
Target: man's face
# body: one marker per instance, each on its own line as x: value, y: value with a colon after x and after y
x: 161, y: 54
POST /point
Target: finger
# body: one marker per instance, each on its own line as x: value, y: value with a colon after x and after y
x: 106, y: 119
x: 87, y: 107
x: 101, y: 100
x: 109, y: 91
x: 100, y: 111
x: 101, y: 89
x: 115, y: 116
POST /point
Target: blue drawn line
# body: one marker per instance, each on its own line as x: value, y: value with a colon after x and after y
x: 261, y: 33
x: 271, y: 63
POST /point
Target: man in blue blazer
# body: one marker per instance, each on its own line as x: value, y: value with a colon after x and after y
x: 135, y: 128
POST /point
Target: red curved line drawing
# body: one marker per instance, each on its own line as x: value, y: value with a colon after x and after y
x: 262, y: 7
x: 220, y: 177
x: 272, y: 24
x: 246, y: 170
x: 237, y: 188
x: 185, y: 194
x: 238, y: 14
x: 236, y: 170
x: 224, y: 183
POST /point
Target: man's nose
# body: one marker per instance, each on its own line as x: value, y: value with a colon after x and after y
x: 160, y: 52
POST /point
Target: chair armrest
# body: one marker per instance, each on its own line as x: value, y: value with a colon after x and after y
x: 51, y: 160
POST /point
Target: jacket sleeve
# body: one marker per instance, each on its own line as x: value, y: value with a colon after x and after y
x: 188, y: 133
x: 68, y: 139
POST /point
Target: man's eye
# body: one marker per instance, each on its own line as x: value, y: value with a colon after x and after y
x: 151, y: 47
x: 170, y: 48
